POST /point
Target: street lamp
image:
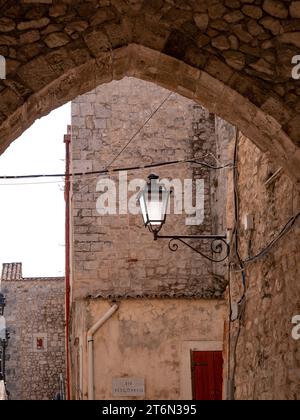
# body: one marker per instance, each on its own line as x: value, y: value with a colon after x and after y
x: 3, y: 343
x: 2, y: 304
x: 154, y: 200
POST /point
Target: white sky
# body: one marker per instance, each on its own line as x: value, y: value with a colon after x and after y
x: 32, y: 218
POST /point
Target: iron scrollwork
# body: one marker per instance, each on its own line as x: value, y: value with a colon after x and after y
x: 218, y: 245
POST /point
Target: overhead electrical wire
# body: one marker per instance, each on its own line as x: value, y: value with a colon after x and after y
x: 139, y: 130
x: 106, y: 170
x: 16, y: 184
x: 109, y: 171
x: 134, y: 135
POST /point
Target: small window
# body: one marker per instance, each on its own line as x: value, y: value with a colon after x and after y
x: 40, y: 343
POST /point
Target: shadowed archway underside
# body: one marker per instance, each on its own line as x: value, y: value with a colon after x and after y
x: 231, y: 57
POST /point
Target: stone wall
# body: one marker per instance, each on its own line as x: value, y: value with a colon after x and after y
x: 268, y: 358
x: 115, y: 258
x: 151, y: 339
x: 35, y: 355
x: 232, y: 56
x: 114, y: 255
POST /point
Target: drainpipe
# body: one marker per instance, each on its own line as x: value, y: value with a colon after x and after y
x: 67, y: 141
x: 90, y: 341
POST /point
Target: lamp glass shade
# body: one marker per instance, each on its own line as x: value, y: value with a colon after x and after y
x: 2, y: 304
x: 2, y: 328
x: 153, y: 201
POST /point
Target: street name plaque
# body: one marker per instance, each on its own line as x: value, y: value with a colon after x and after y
x: 128, y: 387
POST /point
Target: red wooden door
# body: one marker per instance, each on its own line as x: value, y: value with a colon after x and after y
x: 207, y: 375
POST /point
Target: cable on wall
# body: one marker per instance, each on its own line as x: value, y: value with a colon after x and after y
x: 241, y: 265
x: 288, y: 226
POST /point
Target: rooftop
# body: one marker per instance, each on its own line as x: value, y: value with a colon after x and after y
x: 13, y: 272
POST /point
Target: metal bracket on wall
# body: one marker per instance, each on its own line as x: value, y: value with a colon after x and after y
x: 219, y: 246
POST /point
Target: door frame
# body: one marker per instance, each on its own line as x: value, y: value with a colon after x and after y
x: 186, y: 389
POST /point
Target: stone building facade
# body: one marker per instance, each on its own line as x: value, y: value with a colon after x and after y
x: 168, y: 303
x: 35, y: 314
x: 116, y: 262
x: 267, y: 356
x: 103, y: 122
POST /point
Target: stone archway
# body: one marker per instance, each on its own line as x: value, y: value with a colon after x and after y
x: 226, y: 55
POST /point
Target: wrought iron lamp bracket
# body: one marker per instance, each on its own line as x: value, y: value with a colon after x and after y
x: 218, y: 244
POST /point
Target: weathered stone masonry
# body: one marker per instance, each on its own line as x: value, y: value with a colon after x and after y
x: 232, y: 56
x: 115, y: 254
x: 169, y: 303
x: 268, y: 358
x: 34, y: 315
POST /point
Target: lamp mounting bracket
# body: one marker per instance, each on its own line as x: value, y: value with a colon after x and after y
x: 219, y: 246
